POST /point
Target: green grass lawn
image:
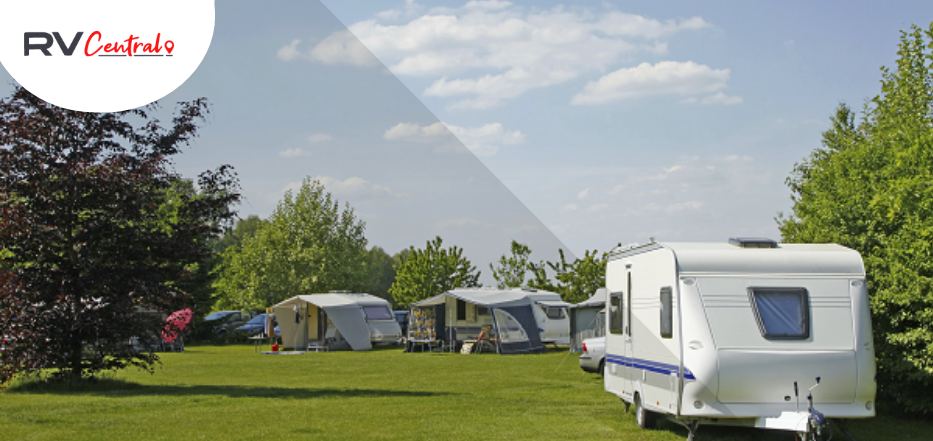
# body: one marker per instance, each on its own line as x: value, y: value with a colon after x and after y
x: 231, y: 393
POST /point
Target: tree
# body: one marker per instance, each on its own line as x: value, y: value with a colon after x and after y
x: 870, y: 187
x: 380, y: 273
x: 512, y: 269
x: 308, y: 245
x: 431, y: 271
x: 575, y: 281
x: 244, y: 228
x: 91, y: 257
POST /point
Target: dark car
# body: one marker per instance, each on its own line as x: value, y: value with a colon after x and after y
x: 257, y: 325
x: 222, y: 322
x: 402, y: 318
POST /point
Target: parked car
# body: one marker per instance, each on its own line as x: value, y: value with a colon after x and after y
x: 256, y: 325
x: 402, y: 318
x: 594, y: 355
x: 222, y: 322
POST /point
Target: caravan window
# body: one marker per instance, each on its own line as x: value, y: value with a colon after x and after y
x: 378, y: 313
x: 782, y: 313
x: 554, y: 313
x: 461, y: 310
x: 667, y: 313
x: 615, y: 313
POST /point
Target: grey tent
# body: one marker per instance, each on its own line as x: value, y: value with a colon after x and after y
x: 337, y: 318
x: 587, y: 319
x: 506, y: 316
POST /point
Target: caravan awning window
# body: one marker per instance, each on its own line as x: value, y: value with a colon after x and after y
x: 378, y: 313
x: 782, y: 313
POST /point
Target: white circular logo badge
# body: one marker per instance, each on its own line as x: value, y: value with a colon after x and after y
x: 104, y: 56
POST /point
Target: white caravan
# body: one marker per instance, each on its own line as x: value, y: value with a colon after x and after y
x: 552, y: 317
x: 726, y: 333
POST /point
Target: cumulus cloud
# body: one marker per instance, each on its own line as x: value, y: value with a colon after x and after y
x: 319, y: 137
x: 484, y: 140
x: 341, y: 47
x: 487, y: 51
x: 583, y: 194
x: 570, y: 207
x: 293, y: 153
x: 663, y: 78
x: 597, y: 207
x: 356, y: 186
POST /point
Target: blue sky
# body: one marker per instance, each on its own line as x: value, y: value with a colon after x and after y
x: 560, y: 124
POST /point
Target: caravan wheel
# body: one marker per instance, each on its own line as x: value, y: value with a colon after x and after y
x: 643, y: 417
x: 602, y: 368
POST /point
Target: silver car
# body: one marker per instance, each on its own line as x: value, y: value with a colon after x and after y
x: 594, y: 355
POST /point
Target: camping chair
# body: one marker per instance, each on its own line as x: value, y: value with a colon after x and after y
x: 483, y: 339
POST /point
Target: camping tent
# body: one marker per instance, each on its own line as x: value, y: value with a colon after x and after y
x: 337, y: 320
x: 587, y: 319
x: 507, y: 317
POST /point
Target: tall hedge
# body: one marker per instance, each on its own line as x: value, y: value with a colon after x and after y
x: 870, y: 187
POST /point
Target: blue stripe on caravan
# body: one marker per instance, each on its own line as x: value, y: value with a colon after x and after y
x: 649, y: 365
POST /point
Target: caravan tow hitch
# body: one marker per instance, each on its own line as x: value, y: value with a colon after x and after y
x: 816, y: 422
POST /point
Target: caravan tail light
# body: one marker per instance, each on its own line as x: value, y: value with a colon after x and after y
x: 584, y: 346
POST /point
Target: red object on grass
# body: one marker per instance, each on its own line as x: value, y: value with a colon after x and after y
x: 176, y: 324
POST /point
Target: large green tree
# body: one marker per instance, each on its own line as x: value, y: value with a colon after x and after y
x: 511, y: 271
x: 308, y: 245
x: 431, y: 271
x: 575, y: 281
x: 870, y: 187
x: 380, y: 273
x: 95, y: 241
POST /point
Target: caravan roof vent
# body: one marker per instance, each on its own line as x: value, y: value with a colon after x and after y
x: 752, y: 242
x: 529, y: 289
x: 340, y: 291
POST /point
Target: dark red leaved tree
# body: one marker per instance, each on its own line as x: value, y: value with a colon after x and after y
x: 87, y: 262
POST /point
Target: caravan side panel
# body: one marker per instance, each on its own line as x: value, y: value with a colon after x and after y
x: 640, y: 360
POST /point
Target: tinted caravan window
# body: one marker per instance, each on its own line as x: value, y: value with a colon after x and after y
x: 782, y: 313
x: 615, y: 313
x: 378, y: 313
x: 667, y: 313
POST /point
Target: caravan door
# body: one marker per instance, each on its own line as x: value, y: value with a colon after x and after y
x: 629, y: 353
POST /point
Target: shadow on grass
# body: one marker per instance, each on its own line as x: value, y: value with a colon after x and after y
x: 120, y: 388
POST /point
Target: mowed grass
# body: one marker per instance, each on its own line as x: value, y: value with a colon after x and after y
x: 231, y: 393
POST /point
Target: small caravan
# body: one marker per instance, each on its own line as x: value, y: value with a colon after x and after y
x: 518, y: 320
x: 337, y: 320
x: 727, y: 333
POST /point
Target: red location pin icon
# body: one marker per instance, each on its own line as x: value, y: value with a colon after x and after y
x: 169, y: 45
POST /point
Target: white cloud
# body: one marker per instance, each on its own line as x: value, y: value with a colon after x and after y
x: 583, y: 194
x: 319, y: 137
x: 721, y: 98
x: 597, y: 207
x: 737, y: 158
x: 416, y: 132
x: 484, y: 140
x: 487, y: 51
x: 570, y: 207
x: 293, y: 153
x: 357, y: 186
x: 341, y: 47
x: 663, y: 78
x: 391, y: 14
x: 617, y: 189
x: 289, y: 52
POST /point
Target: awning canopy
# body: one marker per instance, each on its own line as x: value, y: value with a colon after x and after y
x: 597, y: 300
x: 342, y: 309
x: 493, y: 298
x: 554, y: 303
